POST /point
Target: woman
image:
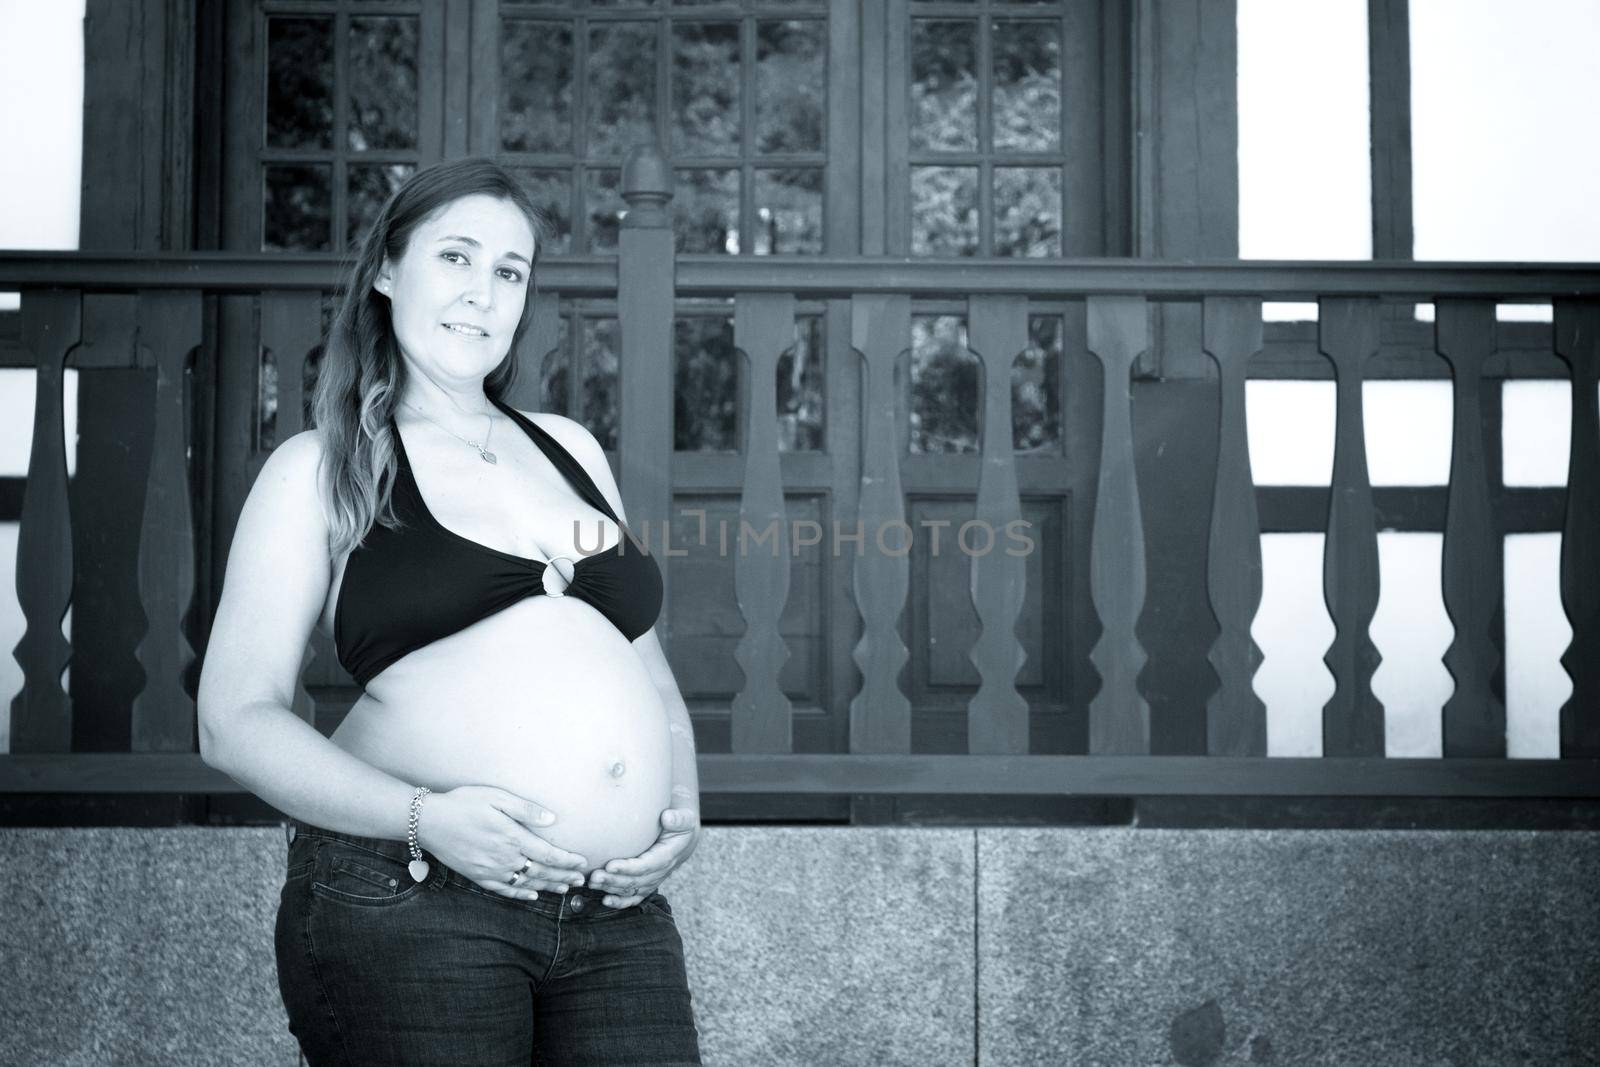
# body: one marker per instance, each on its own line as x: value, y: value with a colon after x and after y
x: 475, y: 852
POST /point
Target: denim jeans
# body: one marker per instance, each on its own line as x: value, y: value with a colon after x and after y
x: 376, y: 968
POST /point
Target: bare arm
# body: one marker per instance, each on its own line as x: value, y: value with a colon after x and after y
x: 277, y: 581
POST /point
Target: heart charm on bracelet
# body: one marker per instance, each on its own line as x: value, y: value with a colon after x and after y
x: 419, y: 870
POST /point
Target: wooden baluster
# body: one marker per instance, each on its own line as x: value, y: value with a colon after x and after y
x: 1352, y: 720
x: 880, y: 714
x: 291, y: 324
x: 41, y: 715
x: 1119, y: 716
x: 763, y: 721
x: 544, y: 334
x: 1474, y: 717
x: 1577, y: 324
x: 1236, y: 719
x: 997, y: 715
x: 645, y: 294
x: 163, y: 713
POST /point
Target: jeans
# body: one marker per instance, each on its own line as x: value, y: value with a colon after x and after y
x: 376, y: 968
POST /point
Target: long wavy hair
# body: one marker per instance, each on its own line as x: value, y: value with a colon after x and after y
x: 362, y: 375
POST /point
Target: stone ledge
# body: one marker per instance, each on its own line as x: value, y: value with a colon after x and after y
x: 908, y: 946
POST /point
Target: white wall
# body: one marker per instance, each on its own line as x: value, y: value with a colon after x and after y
x: 1504, y: 167
x: 41, y: 171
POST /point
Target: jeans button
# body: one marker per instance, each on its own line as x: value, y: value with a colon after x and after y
x: 577, y: 903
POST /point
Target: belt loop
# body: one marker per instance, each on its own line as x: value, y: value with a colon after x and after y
x: 289, y: 832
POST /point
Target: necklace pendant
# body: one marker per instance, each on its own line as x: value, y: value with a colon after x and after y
x: 419, y: 870
x: 487, y: 456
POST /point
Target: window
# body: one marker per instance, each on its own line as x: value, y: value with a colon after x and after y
x: 736, y: 102
x: 996, y: 165
x: 341, y: 124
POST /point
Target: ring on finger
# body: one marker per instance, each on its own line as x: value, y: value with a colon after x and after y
x: 516, y: 876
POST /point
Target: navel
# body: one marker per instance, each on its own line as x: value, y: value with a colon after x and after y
x: 616, y: 770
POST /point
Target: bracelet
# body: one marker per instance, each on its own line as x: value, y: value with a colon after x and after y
x: 418, y: 866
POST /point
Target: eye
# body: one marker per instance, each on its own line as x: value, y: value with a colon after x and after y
x: 447, y: 255
x: 511, y: 274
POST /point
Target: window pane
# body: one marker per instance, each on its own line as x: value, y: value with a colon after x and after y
x: 299, y: 83
x: 622, y: 86
x: 298, y: 212
x: 1305, y: 162
x: 788, y: 211
x: 705, y: 88
x: 1504, y: 161
x: 705, y: 210
x: 383, y: 84
x: 944, y: 211
x: 1036, y: 388
x: 944, y: 84
x: 944, y: 386
x: 536, y: 86
x: 1027, y: 206
x: 801, y: 395
x: 1027, y: 85
x: 370, y: 187
x: 602, y: 340
x: 791, y: 87
x: 705, y: 388
x: 603, y: 203
x: 551, y: 191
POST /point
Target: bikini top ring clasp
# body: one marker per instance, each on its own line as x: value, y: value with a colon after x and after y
x: 549, y: 568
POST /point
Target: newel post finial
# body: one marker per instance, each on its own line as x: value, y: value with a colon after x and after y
x: 647, y: 187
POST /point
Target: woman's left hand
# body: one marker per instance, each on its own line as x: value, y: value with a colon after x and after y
x: 629, y: 881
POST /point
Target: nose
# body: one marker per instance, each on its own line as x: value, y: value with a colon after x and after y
x: 480, y: 291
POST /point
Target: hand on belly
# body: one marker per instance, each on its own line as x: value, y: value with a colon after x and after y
x: 545, y: 701
x: 605, y: 811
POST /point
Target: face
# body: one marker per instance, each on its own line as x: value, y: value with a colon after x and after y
x: 457, y: 293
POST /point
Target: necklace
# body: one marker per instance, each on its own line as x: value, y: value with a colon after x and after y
x: 483, y: 451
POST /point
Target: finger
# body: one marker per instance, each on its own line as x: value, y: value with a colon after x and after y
x: 629, y: 884
x: 680, y: 819
x: 607, y: 878
x: 658, y: 857
x: 623, y: 902
x: 543, y: 852
x: 525, y: 811
x: 521, y: 891
x: 555, y: 875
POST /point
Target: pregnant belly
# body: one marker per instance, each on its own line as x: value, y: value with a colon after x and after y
x: 546, y: 700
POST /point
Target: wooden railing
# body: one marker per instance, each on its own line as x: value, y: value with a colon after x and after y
x: 159, y: 300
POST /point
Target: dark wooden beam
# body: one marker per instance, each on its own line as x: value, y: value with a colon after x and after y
x: 1389, y: 87
x: 90, y: 772
x: 831, y: 276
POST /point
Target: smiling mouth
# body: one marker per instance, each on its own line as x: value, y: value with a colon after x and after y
x: 465, y: 330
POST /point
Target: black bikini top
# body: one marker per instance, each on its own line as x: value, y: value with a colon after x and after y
x: 408, y: 587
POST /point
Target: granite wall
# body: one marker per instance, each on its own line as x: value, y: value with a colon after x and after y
x: 843, y: 946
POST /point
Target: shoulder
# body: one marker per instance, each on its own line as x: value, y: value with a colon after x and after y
x: 290, y: 478
x: 576, y: 439
x: 573, y: 435
x: 295, y: 460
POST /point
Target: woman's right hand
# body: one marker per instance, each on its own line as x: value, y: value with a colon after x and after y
x: 485, y: 834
